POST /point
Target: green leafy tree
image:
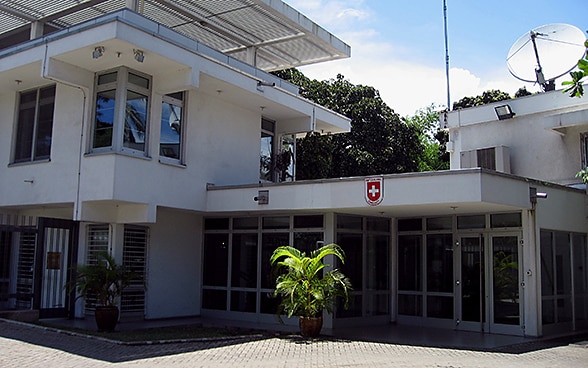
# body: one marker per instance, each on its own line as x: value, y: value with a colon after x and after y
x: 522, y: 92
x: 576, y: 89
x: 575, y: 86
x: 433, y: 157
x: 493, y: 95
x: 379, y: 141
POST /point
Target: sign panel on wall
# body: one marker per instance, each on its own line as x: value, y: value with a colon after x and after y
x: 374, y: 190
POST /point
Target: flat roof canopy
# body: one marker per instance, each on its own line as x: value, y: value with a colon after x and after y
x: 266, y: 33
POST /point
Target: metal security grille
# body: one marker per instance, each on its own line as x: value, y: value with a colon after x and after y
x: 98, y: 239
x: 5, y: 257
x: 25, y: 270
x: 55, y: 267
x: 135, y: 244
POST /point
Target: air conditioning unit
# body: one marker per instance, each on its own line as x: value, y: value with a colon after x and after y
x: 492, y: 158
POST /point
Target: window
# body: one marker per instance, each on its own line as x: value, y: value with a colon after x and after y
x: 584, y: 147
x: 34, y: 125
x: 285, y: 159
x: 237, y: 275
x: 266, y: 171
x: 121, y: 115
x: 170, y: 141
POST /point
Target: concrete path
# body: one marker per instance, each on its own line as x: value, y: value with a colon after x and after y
x: 25, y: 346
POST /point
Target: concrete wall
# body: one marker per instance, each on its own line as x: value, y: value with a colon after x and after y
x: 222, y: 146
x: 174, y: 270
x: 543, y: 136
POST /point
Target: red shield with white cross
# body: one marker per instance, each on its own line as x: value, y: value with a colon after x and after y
x: 374, y: 190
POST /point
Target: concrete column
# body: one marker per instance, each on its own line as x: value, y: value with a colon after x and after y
x: 529, y: 264
x: 252, y: 56
x: 36, y: 30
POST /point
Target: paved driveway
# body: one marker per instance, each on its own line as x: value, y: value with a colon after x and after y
x: 26, y: 346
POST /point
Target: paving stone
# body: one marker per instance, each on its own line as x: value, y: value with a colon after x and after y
x: 26, y: 346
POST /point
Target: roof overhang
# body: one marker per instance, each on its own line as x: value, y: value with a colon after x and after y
x: 266, y: 33
x: 174, y: 60
x: 468, y: 191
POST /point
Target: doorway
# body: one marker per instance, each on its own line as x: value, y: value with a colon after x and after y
x: 487, y: 283
x: 56, y: 252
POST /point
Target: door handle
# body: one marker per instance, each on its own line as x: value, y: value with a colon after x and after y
x: 457, y: 282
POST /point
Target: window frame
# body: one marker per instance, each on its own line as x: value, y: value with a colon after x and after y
x: 32, y: 155
x: 584, y: 149
x: 268, y: 130
x: 181, y: 103
x: 121, y: 86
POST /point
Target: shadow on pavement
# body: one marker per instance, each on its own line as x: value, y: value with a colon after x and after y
x: 109, y: 351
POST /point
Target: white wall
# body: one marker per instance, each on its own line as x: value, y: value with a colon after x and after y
x: 54, y: 181
x: 174, y: 270
x: 543, y: 136
x: 222, y: 147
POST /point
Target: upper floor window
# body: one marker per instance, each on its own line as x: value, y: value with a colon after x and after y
x: 34, y: 125
x: 172, y: 124
x: 121, y: 115
x: 266, y: 162
x: 584, y: 147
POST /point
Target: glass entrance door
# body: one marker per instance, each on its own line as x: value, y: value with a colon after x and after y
x: 471, y: 284
x: 505, y: 296
x: 487, y: 285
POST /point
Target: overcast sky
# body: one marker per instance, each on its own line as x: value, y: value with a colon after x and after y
x: 398, y: 46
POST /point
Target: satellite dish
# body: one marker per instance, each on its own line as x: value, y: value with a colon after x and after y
x: 546, y: 53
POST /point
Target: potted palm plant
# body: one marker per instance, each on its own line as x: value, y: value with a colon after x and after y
x: 104, y: 281
x: 305, y: 290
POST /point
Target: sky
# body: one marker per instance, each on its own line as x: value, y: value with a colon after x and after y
x: 398, y: 46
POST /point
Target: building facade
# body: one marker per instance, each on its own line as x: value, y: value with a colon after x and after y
x: 160, y: 144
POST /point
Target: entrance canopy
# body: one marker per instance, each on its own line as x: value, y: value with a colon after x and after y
x: 268, y: 34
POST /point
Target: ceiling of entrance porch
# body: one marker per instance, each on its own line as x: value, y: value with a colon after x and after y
x: 266, y: 33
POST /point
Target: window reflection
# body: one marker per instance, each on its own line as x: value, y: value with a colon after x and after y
x: 171, y: 126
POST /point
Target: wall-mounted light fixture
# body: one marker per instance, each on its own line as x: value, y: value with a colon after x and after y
x: 262, y: 197
x: 139, y: 56
x: 504, y: 112
x: 98, y: 52
x: 261, y: 84
x: 534, y: 194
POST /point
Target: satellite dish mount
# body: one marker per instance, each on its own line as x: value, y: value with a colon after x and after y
x: 560, y: 47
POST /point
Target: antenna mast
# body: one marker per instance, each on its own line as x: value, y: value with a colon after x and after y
x: 446, y: 54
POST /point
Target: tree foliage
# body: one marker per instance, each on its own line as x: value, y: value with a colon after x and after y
x: 379, y: 141
x: 487, y: 97
x: 434, y: 156
x: 576, y: 85
x: 307, y: 290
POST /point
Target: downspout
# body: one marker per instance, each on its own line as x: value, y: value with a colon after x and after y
x: 76, y: 215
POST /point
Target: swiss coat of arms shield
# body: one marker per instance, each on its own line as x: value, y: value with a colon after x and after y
x: 374, y: 190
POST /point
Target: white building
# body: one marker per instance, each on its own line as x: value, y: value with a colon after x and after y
x: 138, y: 132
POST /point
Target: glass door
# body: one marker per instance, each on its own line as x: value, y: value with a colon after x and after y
x: 487, y: 284
x: 506, y: 286
x: 470, y: 284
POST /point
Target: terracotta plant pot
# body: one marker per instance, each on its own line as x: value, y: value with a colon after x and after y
x: 106, y: 318
x: 310, y: 326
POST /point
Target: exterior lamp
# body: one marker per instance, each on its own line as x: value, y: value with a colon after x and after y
x: 139, y: 56
x: 504, y: 112
x: 98, y: 52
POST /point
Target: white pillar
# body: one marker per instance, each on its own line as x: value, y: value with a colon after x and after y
x: 36, y: 30
x: 530, y: 274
